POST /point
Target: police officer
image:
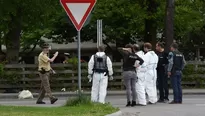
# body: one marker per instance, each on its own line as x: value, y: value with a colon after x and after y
x: 161, y: 73
x: 44, y: 69
x: 99, y: 69
x: 129, y: 73
x: 175, y: 67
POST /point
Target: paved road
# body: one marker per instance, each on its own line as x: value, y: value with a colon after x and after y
x: 194, y: 105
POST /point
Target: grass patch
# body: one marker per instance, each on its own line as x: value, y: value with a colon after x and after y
x: 74, y: 107
x: 83, y: 99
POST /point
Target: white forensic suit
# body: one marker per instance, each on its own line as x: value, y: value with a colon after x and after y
x: 151, y: 60
x: 99, y: 80
x: 140, y: 85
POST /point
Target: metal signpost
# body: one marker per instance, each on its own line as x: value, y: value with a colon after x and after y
x: 99, y: 33
x: 78, y: 12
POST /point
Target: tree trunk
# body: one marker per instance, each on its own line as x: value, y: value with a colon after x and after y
x: 12, y: 39
x: 150, y: 31
x: 150, y: 23
x: 169, y: 30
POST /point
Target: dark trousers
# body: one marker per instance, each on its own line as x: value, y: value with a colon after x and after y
x: 176, y: 85
x: 163, y: 85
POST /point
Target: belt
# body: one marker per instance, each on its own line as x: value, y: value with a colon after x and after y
x: 44, y: 72
x: 99, y: 72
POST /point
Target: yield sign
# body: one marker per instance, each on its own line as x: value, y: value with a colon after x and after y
x: 78, y: 11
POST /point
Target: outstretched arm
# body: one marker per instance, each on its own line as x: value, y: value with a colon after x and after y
x: 123, y: 51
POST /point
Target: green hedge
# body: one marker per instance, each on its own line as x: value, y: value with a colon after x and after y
x: 189, y: 71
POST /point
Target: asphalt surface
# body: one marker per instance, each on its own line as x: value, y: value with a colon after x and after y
x: 193, y: 105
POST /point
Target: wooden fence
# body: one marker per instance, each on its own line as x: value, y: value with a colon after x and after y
x: 25, y: 76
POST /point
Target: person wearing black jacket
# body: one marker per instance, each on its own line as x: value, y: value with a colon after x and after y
x: 162, y: 77
x: 129, y: 73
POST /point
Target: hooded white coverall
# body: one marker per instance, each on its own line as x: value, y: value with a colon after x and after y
x: 140, y: 85
x: 151, y: 60
x: 99, y: 81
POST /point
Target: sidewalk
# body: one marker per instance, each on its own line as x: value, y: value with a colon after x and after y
x: 110, y: 93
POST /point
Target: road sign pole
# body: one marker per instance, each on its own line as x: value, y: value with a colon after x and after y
x: 78, y: 12
x: 97, y: 33
x: 101, y: 32
x: 79, y: 64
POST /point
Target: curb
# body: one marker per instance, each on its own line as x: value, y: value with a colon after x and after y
x: 72, y: 94
x: 119, y: 113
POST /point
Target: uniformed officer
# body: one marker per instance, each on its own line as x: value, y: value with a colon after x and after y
x: 175, y: 67
x: 162, y: 73
x: 99, y: 70
x: 44, y: 69
x: 129, y: 73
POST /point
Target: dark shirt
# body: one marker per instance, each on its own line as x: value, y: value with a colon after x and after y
x: 163, y: 60
x: 129, y: 60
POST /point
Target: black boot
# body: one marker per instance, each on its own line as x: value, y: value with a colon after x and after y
x: 133, y: 103
x: 128, y: 104
x: 54, y: 100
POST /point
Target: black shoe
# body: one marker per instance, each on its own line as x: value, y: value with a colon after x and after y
x: 128, y: 104
x: 179, y: 102
x: 160, y: 101
x: 54, y: 100
x: 174, y: 102
x: 40, y: 102
x: 134, y: 103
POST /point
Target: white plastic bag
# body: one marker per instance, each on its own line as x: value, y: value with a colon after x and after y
x: 25, y: 94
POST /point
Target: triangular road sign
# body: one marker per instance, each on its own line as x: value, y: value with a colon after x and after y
x: 78, y: 11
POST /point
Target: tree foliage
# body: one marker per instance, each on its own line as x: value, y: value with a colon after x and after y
x: 122, y: 20
x: 190, y: 21
x: 23, y: 23
x: 19, y: 18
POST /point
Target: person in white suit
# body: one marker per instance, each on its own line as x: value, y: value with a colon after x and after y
x: 140, y: 84
x: 151, y: 61
x: 99, y: 70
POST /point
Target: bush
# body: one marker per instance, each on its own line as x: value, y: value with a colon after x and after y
x: 12, y: 78
x: 1, y: 69
x: 80, y: 100
x: 189, y: 69
x: 190, y: 75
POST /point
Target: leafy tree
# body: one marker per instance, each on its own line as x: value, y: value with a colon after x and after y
x: 127, y: 21
x: 18, y: 17
x: 190, y: 22
x: 122, y: 21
